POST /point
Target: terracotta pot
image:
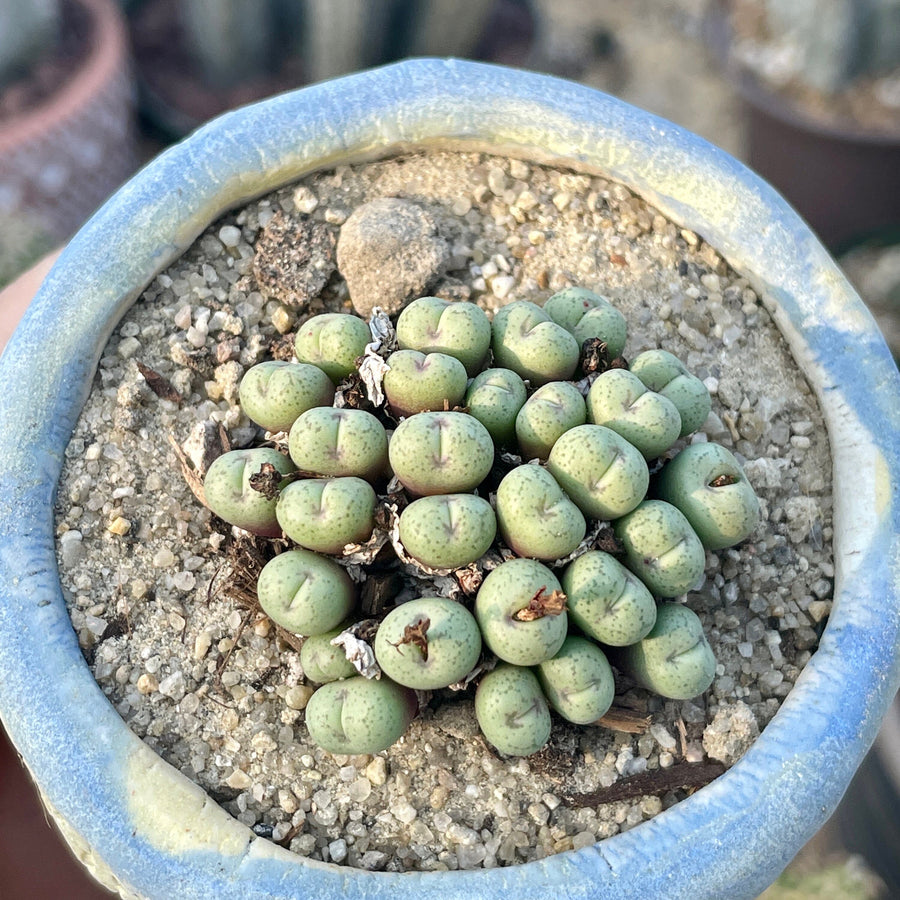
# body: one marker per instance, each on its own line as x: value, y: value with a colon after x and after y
x: 60, y: 160
x: 141, y: 825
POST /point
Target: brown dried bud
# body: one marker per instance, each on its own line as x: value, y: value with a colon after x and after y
x: 542, y: 604
x: 415, y: 635
x: 267, y: 481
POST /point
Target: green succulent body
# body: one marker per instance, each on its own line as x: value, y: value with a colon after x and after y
x: 326, y: 514
x: 674, y: 660
x: 323, y: 661
x: 512, y: 711
x: 604, y: 474
x: 305, y: 593
x: 619, y: 400
x: 359, y: 715
x: 535, y: 517
x: 274, y: 393
x: 338, y: 442
x: 495, y: 397
x: 427, y: 644
x: 461, y: 330
x: 547, y: 414
x: 661, y: 548
x: 447, y: 530
x: 568, y: 306
x: 441, y: 453
x: 591, y: 461
x: 416, y: 382
x: 605, y: 323
x: 708, y: 485
x: 666, y: 374
x: 578, y: 681
x: 230, y: 495
x: 607, y: 601
x: 526, y: 340
x: 333, y: 342
x: 588, y: 315
x: 502, y: 606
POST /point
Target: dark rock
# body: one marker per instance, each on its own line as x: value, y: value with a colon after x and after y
x: 294, y: 259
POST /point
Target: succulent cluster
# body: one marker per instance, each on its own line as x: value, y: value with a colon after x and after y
x: 483, y: 460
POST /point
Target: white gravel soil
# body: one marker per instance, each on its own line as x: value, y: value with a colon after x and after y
x: 219, y: 695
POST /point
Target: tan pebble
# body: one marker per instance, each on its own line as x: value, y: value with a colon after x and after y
x: 230, y: 720
x: 376, y: 771
x: 305, y: 200
x: 119, y: 525
x: 239, y: 780
x: 202, y: 643
x: 147, y: 684
x: 561, y: 200
x: 519, y: 169
x: 262, y: 627
x: 818, y: 609
x: 298, y: 696
x: 438, y: 797
x: 282, y: 320
x: 288, y: 802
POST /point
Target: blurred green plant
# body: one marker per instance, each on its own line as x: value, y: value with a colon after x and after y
x: 839, y: 40
x: 21, y: 247
x: 824, y: 44
x: 847, y: 880
x: 238, y: 39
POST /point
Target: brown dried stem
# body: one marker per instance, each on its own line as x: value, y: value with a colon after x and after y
x: 655, y: 782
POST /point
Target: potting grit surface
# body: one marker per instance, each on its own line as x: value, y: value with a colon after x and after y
x: 218, y: 692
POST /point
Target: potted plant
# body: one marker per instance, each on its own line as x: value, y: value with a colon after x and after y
x: 197, y: 59
x: 66, y: 139
x: 819, y: 81
x: 146, y: 830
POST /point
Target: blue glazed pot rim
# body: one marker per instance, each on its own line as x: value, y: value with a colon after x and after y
x: 142, y: 825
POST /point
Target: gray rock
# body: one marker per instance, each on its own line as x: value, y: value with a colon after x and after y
x: 390, y: 253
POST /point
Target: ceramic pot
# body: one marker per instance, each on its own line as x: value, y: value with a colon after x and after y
x: 61, y: 159
x: 142, y: 826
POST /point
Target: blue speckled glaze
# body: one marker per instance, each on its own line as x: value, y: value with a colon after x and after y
x: 142, y: 826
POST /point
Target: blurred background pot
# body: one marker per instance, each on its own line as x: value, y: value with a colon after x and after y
x: 198, y: 58
x: 820, y: 83
x: 66, y: 119
x: 844, y: 180
x: 147, y: 831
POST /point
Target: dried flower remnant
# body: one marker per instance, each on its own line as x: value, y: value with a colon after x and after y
x: 416, y: 635
x: 542, y: 604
